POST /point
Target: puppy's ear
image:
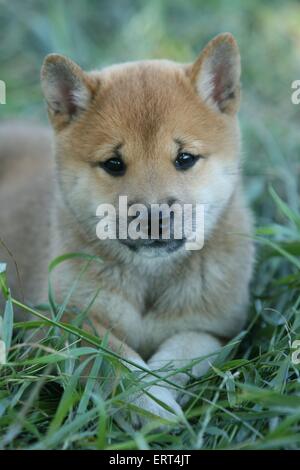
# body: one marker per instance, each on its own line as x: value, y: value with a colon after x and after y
x: 216, y: 74
x: 68, y: 90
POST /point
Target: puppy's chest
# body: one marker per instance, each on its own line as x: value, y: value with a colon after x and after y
x: 140, y: 307
x: 161, y: 294
x: 156, y: 307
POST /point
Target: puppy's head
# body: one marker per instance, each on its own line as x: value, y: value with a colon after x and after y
x: 153, y: 131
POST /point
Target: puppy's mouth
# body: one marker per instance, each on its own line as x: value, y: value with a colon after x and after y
x: 158, y: 246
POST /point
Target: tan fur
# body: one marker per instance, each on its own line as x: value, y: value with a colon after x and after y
x: 192, y: 299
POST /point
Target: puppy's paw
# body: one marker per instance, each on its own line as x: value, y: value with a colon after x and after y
x: 159, y: 402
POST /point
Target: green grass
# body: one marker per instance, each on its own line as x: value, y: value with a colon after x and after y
x: 251, y: 398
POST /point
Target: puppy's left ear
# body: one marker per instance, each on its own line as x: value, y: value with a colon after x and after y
x: 216, y: 74
x: 68, y: 90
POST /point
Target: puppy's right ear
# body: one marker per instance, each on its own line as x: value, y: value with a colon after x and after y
x: 216, y: 74
x: 68, y: 90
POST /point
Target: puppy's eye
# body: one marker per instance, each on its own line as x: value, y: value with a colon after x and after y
x: 184, y: 160
x: 114, y: 166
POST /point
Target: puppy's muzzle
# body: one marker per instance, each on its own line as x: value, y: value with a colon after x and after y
x: 156, y: 230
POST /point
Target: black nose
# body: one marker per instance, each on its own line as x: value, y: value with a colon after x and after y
x: 157, y: 223
x: 154, y: 221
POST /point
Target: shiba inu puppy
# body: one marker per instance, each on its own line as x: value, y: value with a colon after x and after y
x: 156, y: 132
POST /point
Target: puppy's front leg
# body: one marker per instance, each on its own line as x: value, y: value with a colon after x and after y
x: 179, y: 350
x: 154, y: 394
